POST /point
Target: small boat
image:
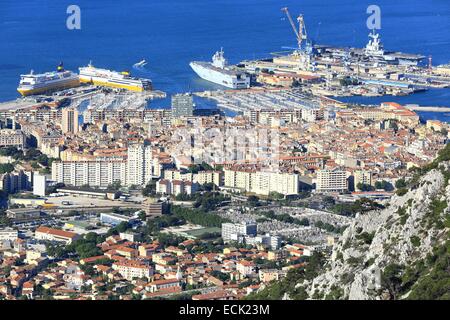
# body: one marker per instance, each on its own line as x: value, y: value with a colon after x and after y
x: 141, y: 64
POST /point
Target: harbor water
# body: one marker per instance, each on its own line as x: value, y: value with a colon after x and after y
x: 169, y: 34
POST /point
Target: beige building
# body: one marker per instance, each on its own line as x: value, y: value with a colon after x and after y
x: 45, y: 233
x: 262, y: 182
x: 363, y: 177
x: 331, y: 181
x: 133, y: 269
x: 12, y: 138
x: 269, y: 275
x: 69, y: 121
x: 443, y: 70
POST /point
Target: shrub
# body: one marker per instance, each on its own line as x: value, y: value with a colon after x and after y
x: 415, y: 240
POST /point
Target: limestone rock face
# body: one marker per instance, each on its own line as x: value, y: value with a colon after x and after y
x: 401, y: 233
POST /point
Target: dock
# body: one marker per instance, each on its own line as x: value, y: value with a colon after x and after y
x: 82, y: 94
x: 428, y: 109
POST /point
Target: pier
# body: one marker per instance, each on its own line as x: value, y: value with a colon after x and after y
x: 428, y: 109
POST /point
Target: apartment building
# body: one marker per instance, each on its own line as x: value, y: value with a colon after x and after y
x: 202, y: 177
x: 262, y: 182
x: 268, y: 275
x: 334, y: 180
x: 12, y: 138
x: 164, y: 284
x: 69, y: 121
x: 182, y: 105
x: 363, y: 177
x: 139, y: 164
x: 267, y: 240
x: 131, y: 269
x: 15, y: 181
x: 246, y: 268
x: 268, y: 116
x: 50, y: 234
x: 9, y: 234
x: 231, y: 231
x: 91, y: 173
x: 175, y: 187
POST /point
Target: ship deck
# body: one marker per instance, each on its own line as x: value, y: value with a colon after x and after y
x: 226, y: 71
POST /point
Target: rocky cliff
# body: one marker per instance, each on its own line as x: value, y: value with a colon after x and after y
x: 387, y: 254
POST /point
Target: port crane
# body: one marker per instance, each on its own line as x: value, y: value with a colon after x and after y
x: 300, y: 33
x: 303, y: 52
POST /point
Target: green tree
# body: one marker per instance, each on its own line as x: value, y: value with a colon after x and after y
x: 6, y: 168
x: 400, y: 183
x: 391, y: 279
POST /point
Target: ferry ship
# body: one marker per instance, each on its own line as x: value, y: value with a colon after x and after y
x: 114, y: 79
x: 218, y: 72
x: 31, y: 84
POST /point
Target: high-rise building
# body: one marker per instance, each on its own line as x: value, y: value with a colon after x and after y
x: 14, y: 181
x: 332, y: 181
x: 39, y: 185
x: 139, y: 164
x: 69, y: 122
x: 89, y: 173
x: 362, y: 177
x: 232, y: 231
x: 182, y: 105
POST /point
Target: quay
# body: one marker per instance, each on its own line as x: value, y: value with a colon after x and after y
x: 428, y: 109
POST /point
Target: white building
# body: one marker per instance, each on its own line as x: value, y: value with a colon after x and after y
x: 9, y: 234
x: 92, y: 173
x: 262, y: 182
x: 246, y: 268
x: 201, y: 177
x: 139, y: 164
x: 332, y: 181
x: 133, y: 269
x: 12, y: 138
x: 50, y: 234
x: 175, y: 187
x: 272, y: 242
x: 39, y: 185
x: 232, y: 231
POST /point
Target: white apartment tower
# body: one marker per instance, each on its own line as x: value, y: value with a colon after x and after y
x: 139, y: 164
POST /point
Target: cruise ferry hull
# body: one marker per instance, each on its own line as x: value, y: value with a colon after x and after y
x: 105, y: 83
x: 113, y: 79
x: 47, y: 88
x: 221, y: 77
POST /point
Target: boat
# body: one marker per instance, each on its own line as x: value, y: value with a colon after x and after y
x: 32, y: 84
x: 113, y: 79
x: 219, y: 73
x: 140, y: 64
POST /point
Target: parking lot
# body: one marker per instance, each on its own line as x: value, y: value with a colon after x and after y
x: 84, y: 202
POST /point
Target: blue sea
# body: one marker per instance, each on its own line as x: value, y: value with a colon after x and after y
x: 170, y: 33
